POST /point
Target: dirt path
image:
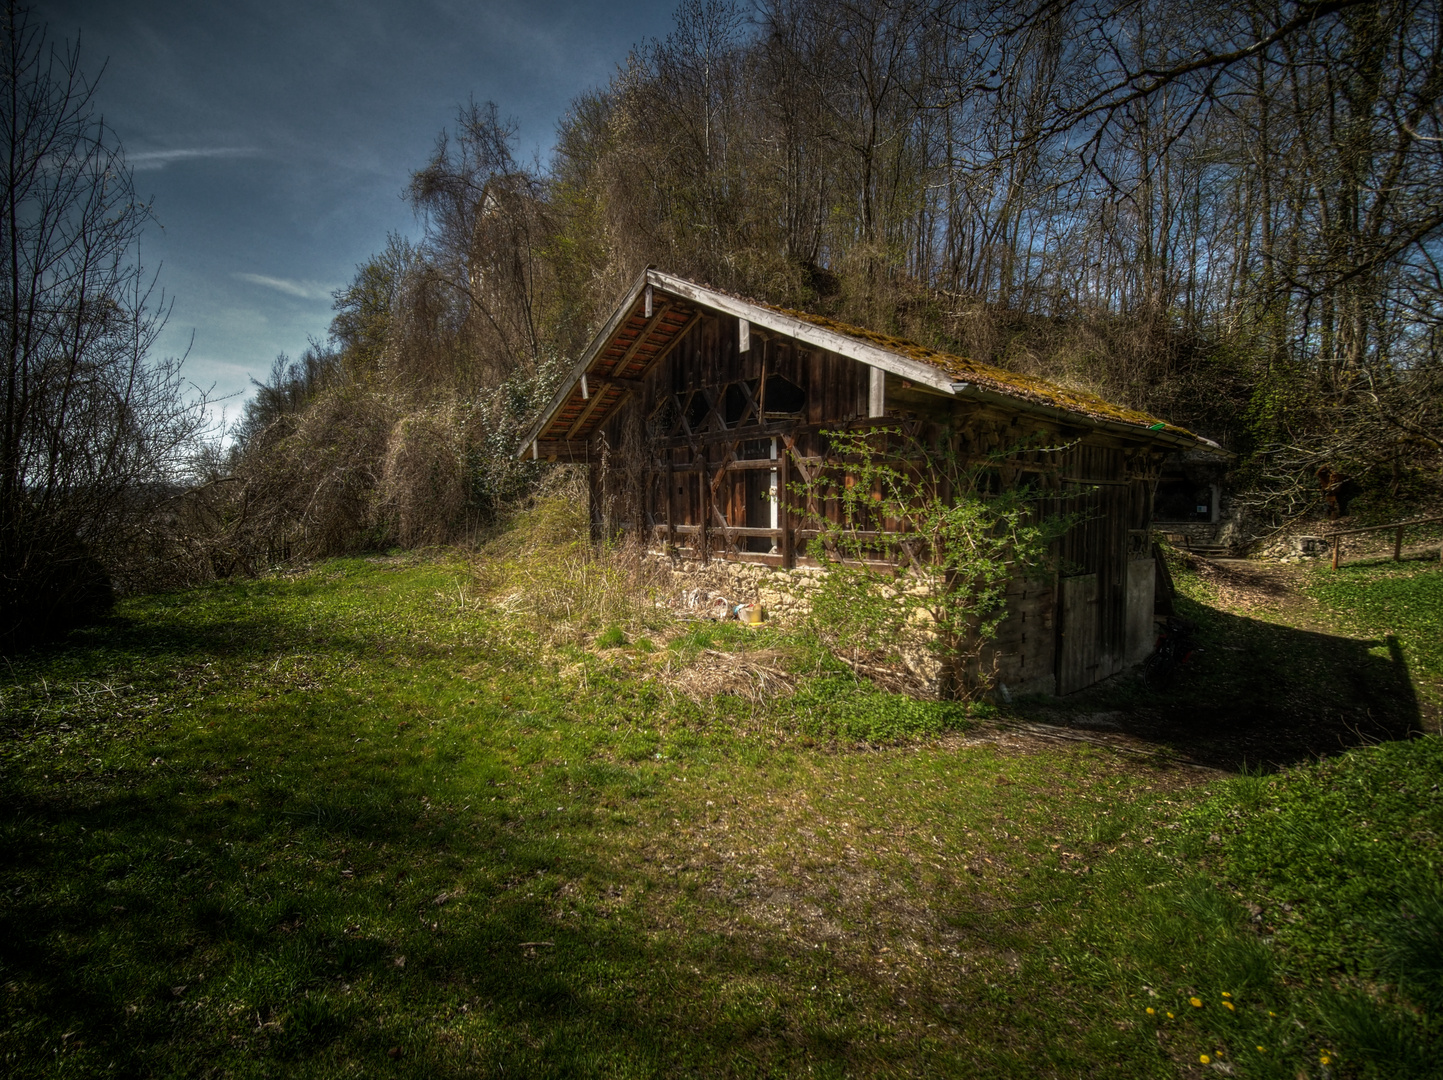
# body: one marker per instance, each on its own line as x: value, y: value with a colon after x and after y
x: 1264, y: 589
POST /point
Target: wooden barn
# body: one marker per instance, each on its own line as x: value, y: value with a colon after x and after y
x: 699, y: 413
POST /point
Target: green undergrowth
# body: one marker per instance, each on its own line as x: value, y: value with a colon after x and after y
x: 1404, y: 599
x: 1290, y: 921
x: 364, y: 820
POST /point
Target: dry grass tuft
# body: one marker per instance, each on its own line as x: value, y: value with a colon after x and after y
x: 546, y: 573
x: 758, y: 676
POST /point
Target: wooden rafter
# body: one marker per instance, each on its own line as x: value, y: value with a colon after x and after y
x: 585, y: 414
x: 641, y: 338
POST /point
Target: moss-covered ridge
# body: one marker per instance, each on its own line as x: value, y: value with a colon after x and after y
x: 986, y: 377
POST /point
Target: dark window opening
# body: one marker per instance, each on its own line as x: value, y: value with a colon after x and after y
x: 736, y: 403
x: 755, y: 450
x: 1182, y: 500
x: 665, y: 420
x: 784, y: 397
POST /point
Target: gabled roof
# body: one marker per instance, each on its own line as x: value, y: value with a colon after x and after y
x: 660, y: 309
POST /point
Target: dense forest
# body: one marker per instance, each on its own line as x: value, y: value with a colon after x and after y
x: 1227, y: 214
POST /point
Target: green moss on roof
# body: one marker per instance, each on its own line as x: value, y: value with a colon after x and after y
x: 987, y: 377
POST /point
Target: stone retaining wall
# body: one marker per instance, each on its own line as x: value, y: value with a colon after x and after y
x: 784, y: 594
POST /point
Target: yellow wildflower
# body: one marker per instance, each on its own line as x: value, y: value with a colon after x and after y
x: 1204, y: 1058
x: 1195, y: 1002
x: 1169, y: 1016
x: 1226, y: 994
x: 1325, y: 1059
x: 1262, y: 1049
x: 1149, y: 1010
x: 1228, y: 1005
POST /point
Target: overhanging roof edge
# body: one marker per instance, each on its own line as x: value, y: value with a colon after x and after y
x: 812, y: 334
x: 821, y: 337
x: 598, y: 342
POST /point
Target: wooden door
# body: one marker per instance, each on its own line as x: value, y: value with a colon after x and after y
x: 1079, y: 639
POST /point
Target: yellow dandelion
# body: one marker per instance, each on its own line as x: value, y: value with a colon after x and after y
x: 1226, y: 994
x: 1169, y: 1016
x: 1195, y: 1002
x: 1262, y: 1049
x: 1204, y: 1059
x: 1228, y: 1005
x: 1271, y: 1013
x: 1150, y: 1010
x: 1325, y: 1059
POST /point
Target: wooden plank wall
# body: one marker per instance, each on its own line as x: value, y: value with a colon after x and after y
x: 1022, y: 656
x: 1095, y: 487
x: 677, y: 484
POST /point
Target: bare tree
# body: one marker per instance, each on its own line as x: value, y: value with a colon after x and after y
x: 90, y: 429
x: 485, y: 228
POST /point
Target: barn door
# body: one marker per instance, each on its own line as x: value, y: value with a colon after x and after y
x: 1079, y: 653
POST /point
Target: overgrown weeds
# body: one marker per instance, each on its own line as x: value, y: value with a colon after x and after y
x: 545, y: 573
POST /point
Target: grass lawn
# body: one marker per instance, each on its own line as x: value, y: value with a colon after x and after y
x: 360, y: 821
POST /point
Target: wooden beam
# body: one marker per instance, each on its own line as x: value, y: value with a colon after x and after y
x: 565, y: 449
x: 585, y: 413
x: 876, y: 392
x: 645, y: 333
x: 674, y: 342
x: 670, y: 504
x: 618, y: 381
x: 788, y: 545
x: 702, y: 482
x: 810, y: 333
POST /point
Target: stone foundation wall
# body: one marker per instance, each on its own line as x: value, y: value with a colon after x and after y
x: 784, y: 594
x: 1203, y: 533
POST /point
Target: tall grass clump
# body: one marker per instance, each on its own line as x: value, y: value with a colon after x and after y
x: 546, y: 571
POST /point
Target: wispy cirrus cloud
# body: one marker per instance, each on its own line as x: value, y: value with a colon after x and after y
x: 303, y: 290
x: 149, y: 160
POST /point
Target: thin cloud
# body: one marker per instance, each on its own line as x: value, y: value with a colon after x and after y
x: 303, y: 290
x: 149, y: 160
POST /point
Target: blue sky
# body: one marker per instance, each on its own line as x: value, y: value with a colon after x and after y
x: 275, y: 139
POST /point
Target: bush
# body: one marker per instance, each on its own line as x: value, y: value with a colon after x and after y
x: 923, y: 552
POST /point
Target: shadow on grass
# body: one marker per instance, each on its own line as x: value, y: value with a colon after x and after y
x: 214, y: 914
x: 1259, y: 695
x: 348, y: 929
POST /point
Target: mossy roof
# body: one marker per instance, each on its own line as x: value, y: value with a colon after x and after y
x: 987, y: 377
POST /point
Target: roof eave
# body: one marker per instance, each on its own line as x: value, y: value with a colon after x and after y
x: 915, y: 371
x: 799, y: 329
x: 598, y: 342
